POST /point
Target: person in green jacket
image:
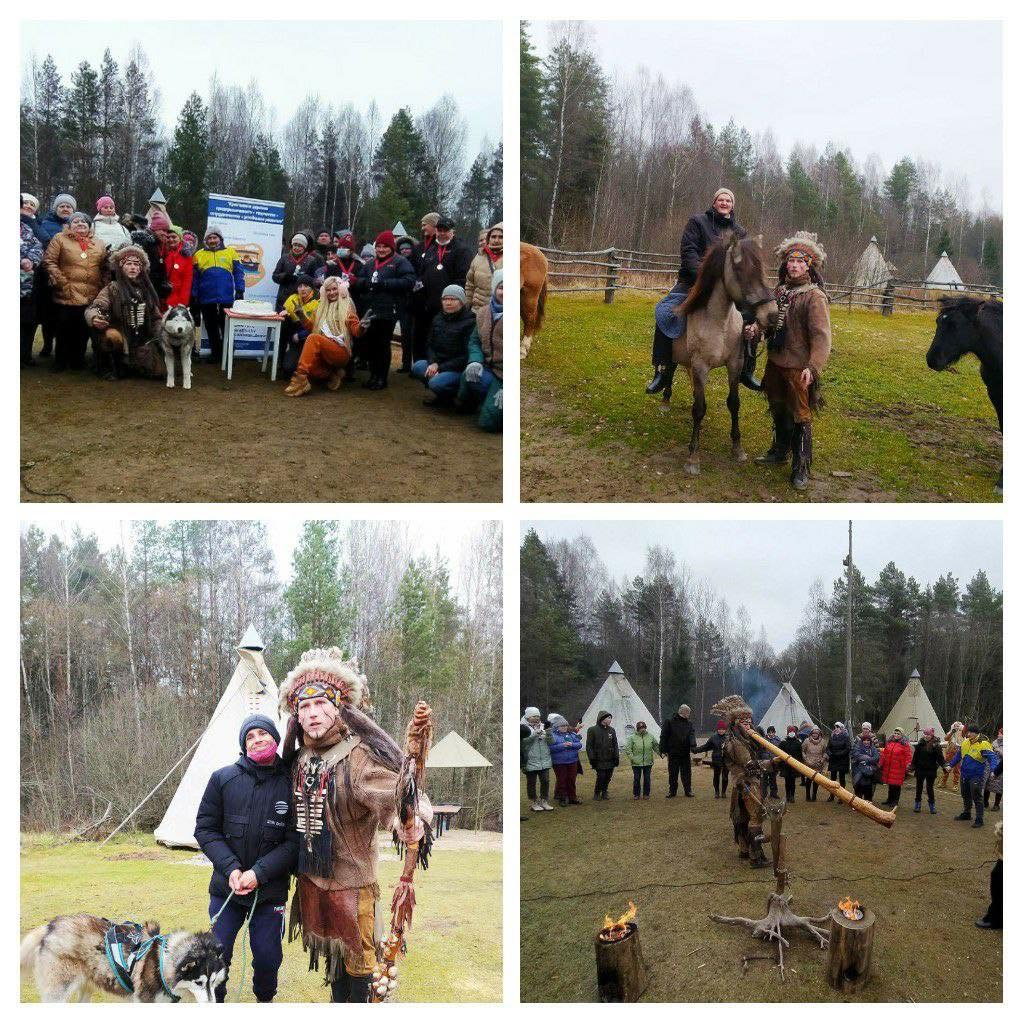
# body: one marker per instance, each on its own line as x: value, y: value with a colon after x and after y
x: 535, y: 758
x: 641, y: 749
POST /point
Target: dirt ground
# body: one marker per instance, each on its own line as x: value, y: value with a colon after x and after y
x: 84, y: 439
x: 926, y: 879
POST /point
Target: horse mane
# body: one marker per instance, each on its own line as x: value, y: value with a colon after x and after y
x: 971, y: 306
x: 708, y: 275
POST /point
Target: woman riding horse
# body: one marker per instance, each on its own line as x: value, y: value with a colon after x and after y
x: 700, y: 233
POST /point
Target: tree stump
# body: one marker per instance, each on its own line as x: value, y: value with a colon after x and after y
x: 849, y: 950
x: 621, y: 973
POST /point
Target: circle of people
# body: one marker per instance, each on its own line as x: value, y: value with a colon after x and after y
x: 112, y: 279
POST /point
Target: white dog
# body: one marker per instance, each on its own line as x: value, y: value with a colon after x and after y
x: 178, y: 333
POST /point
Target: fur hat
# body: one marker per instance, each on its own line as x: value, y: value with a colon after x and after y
x: 324, y: 672
x: 730, y: 708
x: 805, y: 242
x: 119, y: 255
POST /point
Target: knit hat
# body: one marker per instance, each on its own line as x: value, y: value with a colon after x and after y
x: 159, y: 221
x: 684, y: 710
x: 103, y: 201
x: 301, y: 239
x: 498, y: 277
x: 455, y: 291
x: 791, y: 731
x: 531, y: 712
x: 257, y: 722
x: 345, y: 239
x: 602, y: 715
x: 80, y: 215
x: 367, y: 253
x: 839, y: 725
x: 64, y: 197
x: 805, y: 245
x: 323, y: 672
x: 431, y: 219
x: 213, y: 229
x: 386, y: 238
x: 27, y: 199
x: 724, y: 192
x: 865, y: 725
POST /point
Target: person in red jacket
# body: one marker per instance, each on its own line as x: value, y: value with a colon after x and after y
x: 179, y: 270
x: 893, y: 764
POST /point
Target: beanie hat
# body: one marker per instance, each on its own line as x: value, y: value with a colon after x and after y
x: 386, y: 238
x: 346, y: 240
x: 159, y: 221
x: 257, y: 722
x: 724, y: 192
x: 80, y: 215
x: 213, y: 229
x: 103, y: 201
x: 65, y: 198
x: 301, y: 239
x: 431, y: 219
x: 865, y: 725
x: 791, y: 731
x: 27, y: 199
x: 454, y: 291
x: 531, y: 712
x: 684, y: 710
x: 602, y: 715
x: 496, y: 279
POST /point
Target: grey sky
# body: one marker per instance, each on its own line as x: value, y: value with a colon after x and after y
x: 769, y: 566
x: 930, y: 89
x: 398, y: 63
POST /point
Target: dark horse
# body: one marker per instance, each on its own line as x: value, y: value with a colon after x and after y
x: 972, y: 325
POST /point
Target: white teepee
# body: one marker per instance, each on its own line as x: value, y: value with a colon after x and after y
x: 872, y: 269
x: 455, y: 752
x: 944, y: 275
x: 787, y: 709
x: 913, y: 712
x: 252, y: 691
x: 618, y: 697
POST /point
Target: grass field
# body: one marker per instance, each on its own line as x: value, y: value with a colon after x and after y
x: 926, y: 880
x: 892, y: 429
x: 454, y: 947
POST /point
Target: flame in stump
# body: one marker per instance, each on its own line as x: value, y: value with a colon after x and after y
x: 613, y: 931
x: 851, y: 909
x: 621, y: 971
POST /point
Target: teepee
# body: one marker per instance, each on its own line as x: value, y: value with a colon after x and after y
x: 618, y: 697
x: 455, y: 752
x: 944, y: 275
x: 913, y: 712
x: 872, y: 269
x: 252, y: 691
x: 787, y: 709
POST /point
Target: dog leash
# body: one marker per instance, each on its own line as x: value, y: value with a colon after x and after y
x: 245, y: 939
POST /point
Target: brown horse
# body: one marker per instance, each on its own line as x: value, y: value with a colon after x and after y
x: 533, y: 290
x: 730, y: 274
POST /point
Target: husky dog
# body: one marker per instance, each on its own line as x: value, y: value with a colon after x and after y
x: 178, y: 332
x: 71, y: 959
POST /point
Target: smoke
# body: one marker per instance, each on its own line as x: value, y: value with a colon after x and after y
x: 757, y: 688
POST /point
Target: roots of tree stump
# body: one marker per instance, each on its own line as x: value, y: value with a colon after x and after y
x: 769, y: 928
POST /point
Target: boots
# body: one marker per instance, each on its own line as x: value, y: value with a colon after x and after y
x: 757, y: 857
x: 335, y: 379
x: 662, y: 379
x: 917, y: 806
x: 298, y: 385
x: 782, y: 437
x: 800, y: 477
x: 931, y: 807
x: 747, y: 378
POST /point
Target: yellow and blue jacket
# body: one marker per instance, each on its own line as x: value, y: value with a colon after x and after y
x: 219, y: 277
x: 975, y: 757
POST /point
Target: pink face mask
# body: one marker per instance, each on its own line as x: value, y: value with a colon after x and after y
x: 264, y: 753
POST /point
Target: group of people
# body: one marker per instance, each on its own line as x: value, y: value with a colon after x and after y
x: 110, y: 279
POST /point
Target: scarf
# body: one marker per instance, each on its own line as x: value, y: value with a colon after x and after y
x: 496, y: 309
x: 263, y: 755
x: 491, y: 255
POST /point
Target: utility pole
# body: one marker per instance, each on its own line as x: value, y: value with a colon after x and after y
x: 849, y: 630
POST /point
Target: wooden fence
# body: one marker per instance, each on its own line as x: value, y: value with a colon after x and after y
x: 616, y: 270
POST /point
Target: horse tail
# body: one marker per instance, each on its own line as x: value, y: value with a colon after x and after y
x: 540, y: 304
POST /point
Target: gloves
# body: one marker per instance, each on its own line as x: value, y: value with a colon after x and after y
x: 474, y: 371
x: 498, y: 400
x: 417, y: 286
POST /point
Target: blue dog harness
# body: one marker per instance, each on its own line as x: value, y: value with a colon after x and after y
x: 125, y: 946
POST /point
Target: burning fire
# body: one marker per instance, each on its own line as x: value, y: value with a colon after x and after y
x: 617, y: 929
x: 851, y: 909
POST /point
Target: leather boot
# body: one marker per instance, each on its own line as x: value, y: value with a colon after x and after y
x: 757, y: 857
x: 747, y: 378
x: 298, y: 385
x: 782, y: 437
x: 662, y: 379
x: 800, y: 477
x: 359, y: 988
x: 335, y: 379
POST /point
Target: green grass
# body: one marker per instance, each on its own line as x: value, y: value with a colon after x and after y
x: 454, y: 947
x: 899, y: 430
x: 677, y: 860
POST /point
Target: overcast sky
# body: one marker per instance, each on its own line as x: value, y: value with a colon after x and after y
x: 912, y: 88
x: 398, y: 63
x: 769, y: 566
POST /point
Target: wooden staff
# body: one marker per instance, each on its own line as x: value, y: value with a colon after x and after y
x: 865, y: 807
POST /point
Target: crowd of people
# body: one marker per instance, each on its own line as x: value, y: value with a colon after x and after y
x: 109, y: 279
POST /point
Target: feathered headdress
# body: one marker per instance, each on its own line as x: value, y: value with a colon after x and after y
x: 324, y: 672
x: 806, y: 243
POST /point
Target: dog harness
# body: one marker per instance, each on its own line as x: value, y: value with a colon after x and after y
x: 125, y: 947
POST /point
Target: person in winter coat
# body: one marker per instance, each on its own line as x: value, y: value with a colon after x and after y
x: 159, y: 226
x: 298, y: 260
x: 328, y: 348
x: 299, y: 313
x: 770, y: 782
x: 77, y: 266
x: 953, y: 738
x: 447, y: 348
x: 125, y: 317
x: 46, y: 309
x: 995, y: 779
x: 602, y: 753
x: 893, y: 764
x: 443, y: 261
x: 218, y: 279
x: 640, y: 749
x: 189, y: 243
x: 481, y: 385
x: 927, y: 761
x: 243, y: 828
x: 714, y: 744
x: 54, y: 222
x: 107, y: 225
x: 814, y: 754
x: 976, y: 760
x: 864, y: 758
x: 483, y: 266
x: 386, y: 282
x: 179, y: 268
x: 565, y: 744
x: 678, y: 742
x: 31, y: 258
x: 792, y: 746
x: 838, y: 755
x: 797, y: 355
x: 700, y: 233
x: 30, y: 213
x: 993, y: 916
x: 535, y: 757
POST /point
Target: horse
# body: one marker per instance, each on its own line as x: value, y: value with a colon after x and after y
x: 966, y: 325
x: 533, y: 290
x: 731, y: 274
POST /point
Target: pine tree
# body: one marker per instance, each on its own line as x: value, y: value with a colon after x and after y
x: 944, y: 242
x: 399, y: 170
x: 992, y: 261
x: 496, y: 186
x: 81, y: 124
x: 110, y: 107
x: 531, y: 103
x: 188, y: 163
x: 472, y: 209
x: 51, y: 154
x: 315, y: 599
x: 807, y: 206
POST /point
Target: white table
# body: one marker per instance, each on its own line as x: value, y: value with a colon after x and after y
x: 271, y: 345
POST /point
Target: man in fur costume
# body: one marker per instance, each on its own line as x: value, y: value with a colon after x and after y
x: 347, y: 774
x: 741, y: 756
x: 797, y: 354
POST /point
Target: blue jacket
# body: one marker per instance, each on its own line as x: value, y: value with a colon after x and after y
x: 218, y: 277
x: 865, y: 757
x: 49, y: 226
x: 976, y: 760
x: 560, y: 753
x: 244, y: 822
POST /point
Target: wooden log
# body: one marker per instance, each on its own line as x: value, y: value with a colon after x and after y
x: 848, y: 964
x: 621, y: 972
